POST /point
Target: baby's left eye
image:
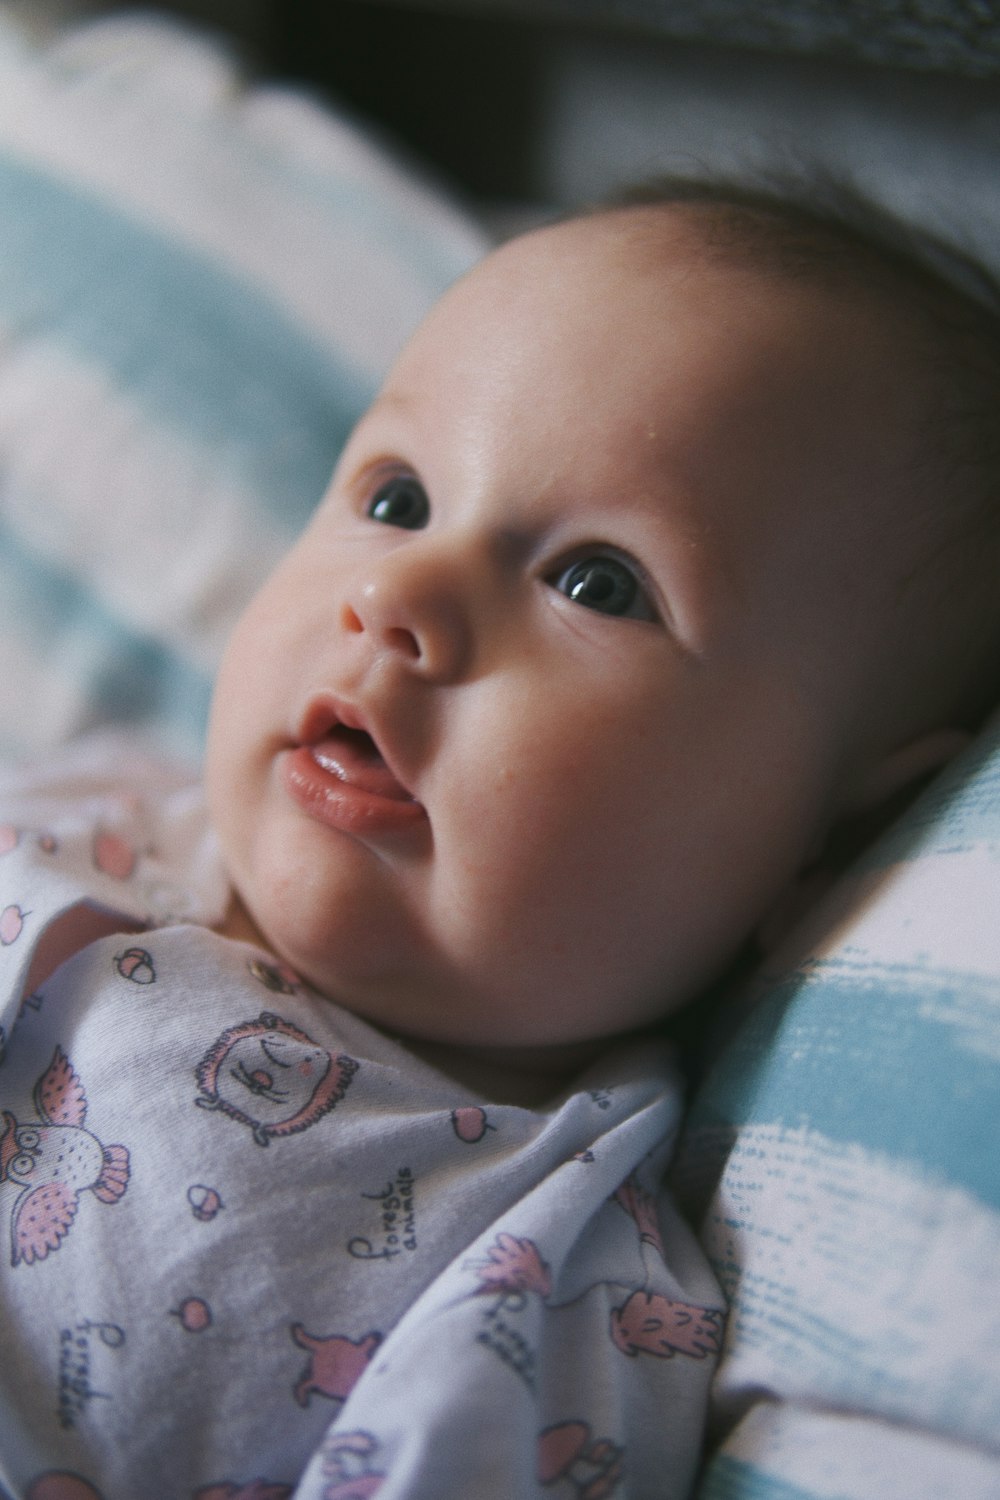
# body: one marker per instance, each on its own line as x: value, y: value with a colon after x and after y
x: 607, y: 585
x: 400, y: 501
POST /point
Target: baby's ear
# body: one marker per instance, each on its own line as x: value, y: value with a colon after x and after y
x: 901, y: 769
x: 878, y: 794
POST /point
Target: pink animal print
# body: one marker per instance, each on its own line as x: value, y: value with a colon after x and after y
x: 651, y: 1324
x: 591, y: 1467
x: 641, y: 1206
x: 272, y: 1077
x: 335, y: 1365
x: 514, y: 1266
x: 55, y: 1161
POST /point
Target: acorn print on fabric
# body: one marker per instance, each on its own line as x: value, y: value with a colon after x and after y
x: 136, y: 964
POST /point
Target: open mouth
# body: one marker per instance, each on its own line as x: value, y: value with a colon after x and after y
x: 354, y: 758
x: 338, y: 775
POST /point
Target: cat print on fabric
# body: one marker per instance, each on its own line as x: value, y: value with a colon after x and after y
x: 271, y: 1077
x: 53, y: 1161
x: 335, y: 1366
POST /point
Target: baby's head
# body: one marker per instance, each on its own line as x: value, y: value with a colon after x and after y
x: 649, y: 566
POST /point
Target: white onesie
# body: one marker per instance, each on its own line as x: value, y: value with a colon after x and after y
x: 251, y: 1248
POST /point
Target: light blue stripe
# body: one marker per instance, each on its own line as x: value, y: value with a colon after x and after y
x: 124, y: 676
x: 846, y: 1051
x: 196, y: 348
x: 732, y: 1479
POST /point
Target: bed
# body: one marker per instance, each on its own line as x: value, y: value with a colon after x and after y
x: 219, y: 223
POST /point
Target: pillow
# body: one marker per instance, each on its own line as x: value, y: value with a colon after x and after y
x: 201, y: 285
x: 842, y: 1159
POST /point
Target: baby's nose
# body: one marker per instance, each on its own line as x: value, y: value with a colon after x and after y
x: 415, y: 606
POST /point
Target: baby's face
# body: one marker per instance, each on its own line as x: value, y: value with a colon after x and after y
x: 564, y: 680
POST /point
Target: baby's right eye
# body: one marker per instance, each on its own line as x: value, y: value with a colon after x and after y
x: 400, y: 501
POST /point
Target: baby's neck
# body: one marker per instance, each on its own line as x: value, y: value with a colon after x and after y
x: 527, y: 1076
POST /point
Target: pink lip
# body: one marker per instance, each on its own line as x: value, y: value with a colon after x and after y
x: 336, y: 774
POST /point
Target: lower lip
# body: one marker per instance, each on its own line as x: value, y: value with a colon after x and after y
x: 338, y: 804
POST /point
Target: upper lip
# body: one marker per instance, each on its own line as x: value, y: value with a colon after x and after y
x: 325, y: 713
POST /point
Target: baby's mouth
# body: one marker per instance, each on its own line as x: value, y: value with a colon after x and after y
x: 354, y: 758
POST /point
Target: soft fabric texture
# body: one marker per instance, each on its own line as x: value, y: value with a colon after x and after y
x: 201, y: 286
x: 250, y: 1238
x: 842, y: 1160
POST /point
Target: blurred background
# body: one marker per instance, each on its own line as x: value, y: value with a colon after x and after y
x: 551, y: 101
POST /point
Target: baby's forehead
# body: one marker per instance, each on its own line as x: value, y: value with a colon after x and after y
x: 636, y: 313
x: 569, y: 273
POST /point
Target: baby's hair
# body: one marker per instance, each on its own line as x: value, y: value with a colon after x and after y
x: 819, y: 229
x: 817, y: 224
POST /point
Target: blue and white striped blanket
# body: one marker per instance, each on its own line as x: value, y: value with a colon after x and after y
x: 843, y: 1158
x: 201, y: 285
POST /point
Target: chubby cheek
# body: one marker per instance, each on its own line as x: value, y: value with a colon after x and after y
x: 609, y: 862
x: 555, y: 871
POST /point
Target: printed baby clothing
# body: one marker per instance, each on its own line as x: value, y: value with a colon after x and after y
x: 251, y: 1249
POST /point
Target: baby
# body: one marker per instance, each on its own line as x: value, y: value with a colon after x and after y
x: 334, y: 1123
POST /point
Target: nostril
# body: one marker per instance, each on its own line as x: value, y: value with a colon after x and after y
x: 404, y: 641
x: 397, y: 637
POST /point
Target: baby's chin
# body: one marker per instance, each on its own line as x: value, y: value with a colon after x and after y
x: 525, y: 1074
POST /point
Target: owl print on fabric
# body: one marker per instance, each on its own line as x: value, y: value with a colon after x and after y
x: 52, y: 1160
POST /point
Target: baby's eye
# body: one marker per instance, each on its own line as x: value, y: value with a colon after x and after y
x: 606, y: 584
x: 400, y: 501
